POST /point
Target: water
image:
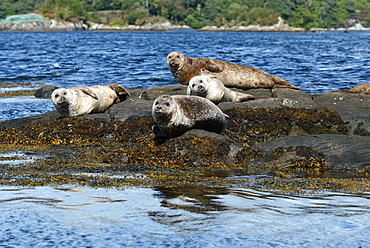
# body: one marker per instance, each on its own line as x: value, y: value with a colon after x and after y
x: 180, y: 217
x: 175, y: 217
x: 315, y: 62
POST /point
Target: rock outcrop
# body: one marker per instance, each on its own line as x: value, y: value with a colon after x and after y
x: 284, y: 133
x: 43, y: 25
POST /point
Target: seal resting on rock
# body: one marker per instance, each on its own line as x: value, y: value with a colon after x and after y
x: 231, y: 75
x: 214, y: 90
x: 45, y: 91
x: 81, y: 100
x: 174, y: 115
x: 358, y: 89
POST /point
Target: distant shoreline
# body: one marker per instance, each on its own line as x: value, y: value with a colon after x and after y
x: 52, y: 25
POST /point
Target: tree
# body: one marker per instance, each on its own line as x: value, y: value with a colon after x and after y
x: 66, y: 10
x: 301, y: 17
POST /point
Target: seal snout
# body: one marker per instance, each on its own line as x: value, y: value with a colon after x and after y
x: 173, y: 62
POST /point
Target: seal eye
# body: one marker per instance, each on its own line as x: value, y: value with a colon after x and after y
x: 178, y: 56
x: 167, y: 104
x: 64, y: 93
x: 193, y: 85
x: 56, y: 95
x: 156, y: 103
x: 201, y: 81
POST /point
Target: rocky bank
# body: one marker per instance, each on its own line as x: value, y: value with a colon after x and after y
x: 285, y: 140
x: 53, y: 25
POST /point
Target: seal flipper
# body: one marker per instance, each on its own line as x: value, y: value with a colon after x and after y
x: 89, y: 92
x: 121, y: 92
x: 243, y: 97
x: 212, y: 66
x: 157, y: 132
x: 281, y: 83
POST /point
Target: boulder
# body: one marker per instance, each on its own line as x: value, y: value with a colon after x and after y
x: 354, y: 109
x: 284, y: 133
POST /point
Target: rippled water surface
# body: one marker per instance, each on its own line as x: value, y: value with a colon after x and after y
x: 316, y: 62
x: 180, y: 217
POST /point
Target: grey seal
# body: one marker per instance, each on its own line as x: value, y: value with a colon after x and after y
x: 82, y: 100
x: 174, y: 115
x: 231, y: 75
x: 214, y: 90
x: 358, y: 89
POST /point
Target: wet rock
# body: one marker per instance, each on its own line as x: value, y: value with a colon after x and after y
x: 313, y: 134
x: 294, y: 98
x: 354, y: 109
x: 325, y: 151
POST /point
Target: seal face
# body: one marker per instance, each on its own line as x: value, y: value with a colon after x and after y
x: 214, y: 90
x: 174, y: 115
x: 81, y: 100
x: 231, y: 75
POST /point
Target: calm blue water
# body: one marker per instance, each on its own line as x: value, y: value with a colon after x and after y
x: 315, y: 62
x: 175, y: 217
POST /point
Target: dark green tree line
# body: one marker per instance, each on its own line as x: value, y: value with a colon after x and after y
x: 198, y: 13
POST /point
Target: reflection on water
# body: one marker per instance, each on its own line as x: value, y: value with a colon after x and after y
x: 180, y: 217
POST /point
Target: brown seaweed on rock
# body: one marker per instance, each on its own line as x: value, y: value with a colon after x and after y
x: 117, y: 149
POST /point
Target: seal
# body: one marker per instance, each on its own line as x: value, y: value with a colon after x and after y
x: 176, y: 114
x: 214, y: 90
x: 45, y: 91
x: 232, y: 75
x: 358, y: 89
x: 81, y: 100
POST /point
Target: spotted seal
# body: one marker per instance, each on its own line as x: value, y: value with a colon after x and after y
x: 214, y: 90
x: 231, y: 75
x: 81, y: 100
x: 358, y: 89
x: 174, y: 115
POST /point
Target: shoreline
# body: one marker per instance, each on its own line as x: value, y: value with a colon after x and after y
x: 52, y: 25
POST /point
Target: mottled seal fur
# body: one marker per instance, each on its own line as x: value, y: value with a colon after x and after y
x: 358, y: 89
x: 176, y: 114
x: 231, y: 75
x: 81, y: 100
x: 214, y: 90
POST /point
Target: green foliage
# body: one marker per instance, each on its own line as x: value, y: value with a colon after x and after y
x: 302, y: 17
x: 14, y: 7
x: 198, y: 13
x: 135, y: 15
x: 65, y: 10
